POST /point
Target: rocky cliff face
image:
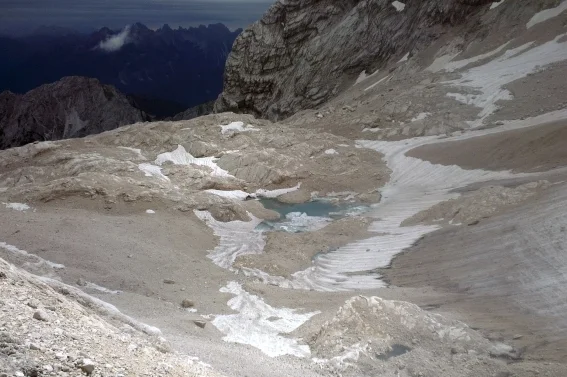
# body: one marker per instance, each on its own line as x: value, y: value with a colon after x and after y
x: 304, y: 52
x: 71, y: 107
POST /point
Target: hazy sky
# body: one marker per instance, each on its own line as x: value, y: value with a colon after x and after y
x: 84, y: 15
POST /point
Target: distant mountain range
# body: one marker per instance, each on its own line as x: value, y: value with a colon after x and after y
x: 71, y: 107
x: 165, y: 71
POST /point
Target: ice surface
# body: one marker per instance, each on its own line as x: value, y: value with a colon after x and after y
x: 547, y: 14
x: 260, y: 325
x: 150, y: 211
x: 236, y: 238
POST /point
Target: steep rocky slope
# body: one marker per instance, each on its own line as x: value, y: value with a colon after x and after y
x: 70, y: 107
x: 304, y: 52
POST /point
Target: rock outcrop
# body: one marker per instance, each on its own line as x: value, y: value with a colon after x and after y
x: 71, y: 107
x: 304, y: 52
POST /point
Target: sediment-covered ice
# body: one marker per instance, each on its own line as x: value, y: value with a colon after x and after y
x: 260, y: 325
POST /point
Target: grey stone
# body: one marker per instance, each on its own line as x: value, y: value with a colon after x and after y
x: 40, y: 315
x: 87, y: 366
x: 187, y: 303
x: 200, y: 323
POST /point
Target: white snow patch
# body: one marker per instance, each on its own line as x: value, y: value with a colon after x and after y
x: 420, y: 116
x: 404, y: 59
x: 17, y: 206
x: 260, y: 325
x: 151, y: 170
x: 331, y: 151
x: 399, y: 5
x: 363, y: 76
x: 496, y: 4
x: 455, y: 65
x: 236, y: 238
x: 96, y: 287
x: 40, y: 260
x: 115, y: 42
x: 237, y: 127
x: 231, y: 194
x: 260, y: 193
x: 547, y: 14
x: 137, y: 151
x: 441, y: 62
x: 379, y: 81
x: 150, y: 211
x: 514, y: 64
x: 181, y: 157
x: 275, y: 193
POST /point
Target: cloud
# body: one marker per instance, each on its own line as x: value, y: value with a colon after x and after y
x: 115, y: 42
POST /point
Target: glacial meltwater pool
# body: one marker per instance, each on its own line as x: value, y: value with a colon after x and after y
x: 308, y: 216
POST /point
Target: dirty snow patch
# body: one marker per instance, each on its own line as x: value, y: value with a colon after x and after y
x: 237, y: 127
x: 404, y: 59
x: 181, y: 157
x: 331, y: 151
x: 17, y: 206
x: 399, y: 5
x: 150, y: 211
x: 547, y: 14
x: 420, y: 116
x: 261, y: 325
